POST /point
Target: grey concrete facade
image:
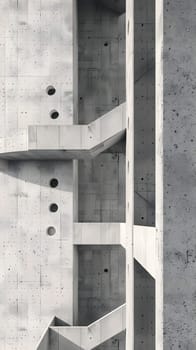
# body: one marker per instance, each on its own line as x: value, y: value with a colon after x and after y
x: 97, y: 165
x: 179, y: 69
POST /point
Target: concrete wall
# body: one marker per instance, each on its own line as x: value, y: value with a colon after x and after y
x: 179, y: 220
x: 36, y: 46
x: 102, y: 188
x: 101, y: 55
x: 36, y: 268
x: 36, y: 51
x: 101, y: 281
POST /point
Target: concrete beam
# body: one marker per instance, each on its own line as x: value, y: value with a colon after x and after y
x: 98, y: 233
x: 66, y: 141
x: 96, y: 333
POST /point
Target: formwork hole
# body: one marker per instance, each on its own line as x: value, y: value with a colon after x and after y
x: 53, y: 207
x: 50, y: 90
x: 51, y: 231
x: 54, y: 183
x: 54, y: 114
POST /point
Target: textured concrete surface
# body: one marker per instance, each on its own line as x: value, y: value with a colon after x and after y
x: 179, y: 67
x: 36, y: 269
x: 39, y: 274
x: 36, y: 52
x: 101, y: 56
x: 102, y: 188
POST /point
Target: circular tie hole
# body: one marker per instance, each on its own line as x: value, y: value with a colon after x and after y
x: 50, y: 90
x: 53, y: 207
x: 54, y: 114
x: 51, y: 231
x: 54, y: 183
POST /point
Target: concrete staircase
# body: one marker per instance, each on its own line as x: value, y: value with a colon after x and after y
x: 59, y: 337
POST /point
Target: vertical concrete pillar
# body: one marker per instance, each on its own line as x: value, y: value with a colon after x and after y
x: 129, y: 175
x: 159, y: 189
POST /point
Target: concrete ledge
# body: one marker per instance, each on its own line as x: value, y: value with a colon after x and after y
x: 98, y: 233
x: 66, y: 141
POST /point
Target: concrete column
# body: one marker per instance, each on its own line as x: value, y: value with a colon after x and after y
x: 129, y: 175
x: 159, y: 189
